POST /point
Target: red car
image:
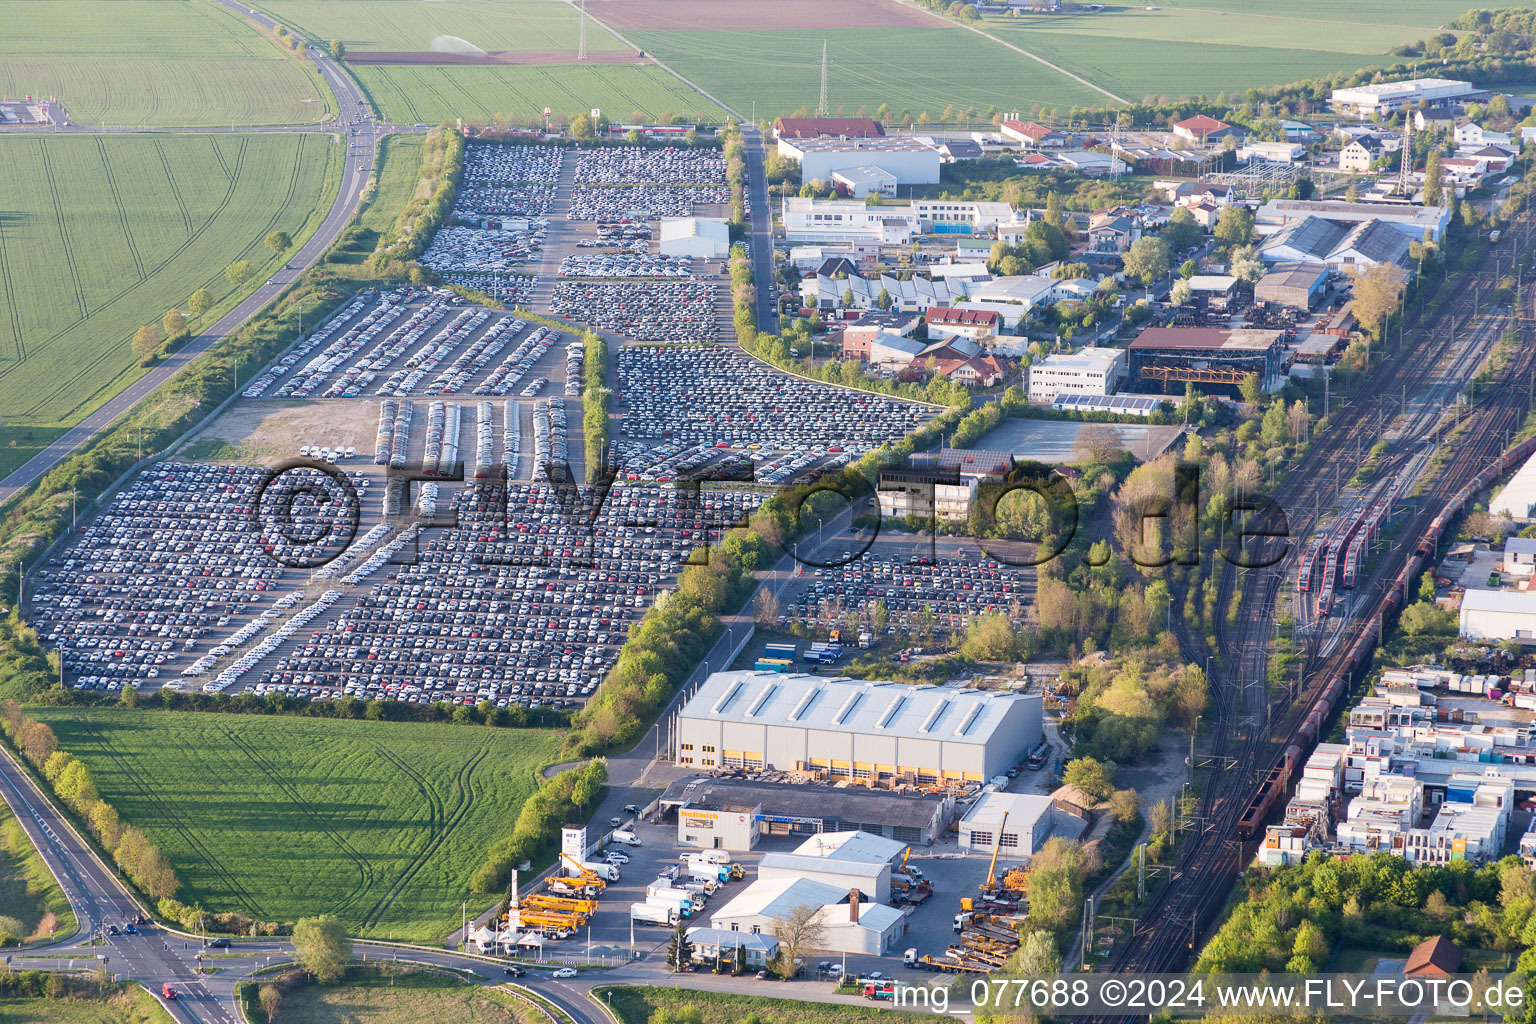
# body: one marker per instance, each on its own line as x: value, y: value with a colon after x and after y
x: 168, y: 990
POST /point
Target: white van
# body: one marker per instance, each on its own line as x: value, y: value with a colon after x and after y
x: 712, y: 856
x: 627, y: 838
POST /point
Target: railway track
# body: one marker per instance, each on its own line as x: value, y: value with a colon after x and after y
x: 1250, y: 734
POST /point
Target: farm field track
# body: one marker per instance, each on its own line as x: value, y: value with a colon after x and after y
x: 918, y: 69
x: 1135, y: 68
x: 184, y: 63
x: 502, y: 58
x: 433, y: 94
x: 694, y: 15
x: 381, y: 823
x: 414, y: 24
x: 100, y: 234
x: 1242, y: 26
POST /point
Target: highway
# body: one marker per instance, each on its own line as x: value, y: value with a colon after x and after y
x: 356, y: 169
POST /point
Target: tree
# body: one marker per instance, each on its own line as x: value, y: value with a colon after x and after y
x: 145, y: 340
x: 1093, y: 778
x: 279, y: 242
x: 1252, y: 389
x: 1037, y: 954
x: 338, y: 49
x: 1246, y: 265
x: 847, y: 298
x: 1097, y: 442
x: 883, y: 300
x: 581, y: 126
x: 990, y: 637
x: 1148, y: 259
x: 1124, y: 805
x: 174, y: 322
x: 270, y: 997
x: 1183, y: 231
x: 321, y: 946
x: 238, y: 271
x: 200, y: 302
x: 1434, y: 179
x: 1234, y: 225
x: 799, y: 930
x: 679, y: 950
x: 1181, y: 292
x: 1377, y: 293
x: 1188, y: 269
x: 1162, y: 818
x: 1272, y: 429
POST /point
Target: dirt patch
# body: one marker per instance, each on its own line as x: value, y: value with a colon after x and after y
x: 503, y: 58
x: 262, y: 431
x: 768, y: 14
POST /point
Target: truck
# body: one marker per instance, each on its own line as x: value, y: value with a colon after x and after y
x: 705, y: 872
x: 653, y: 913
x: 602, y: 869
x: 882, y: 989
x: 666, y: 895
x: 784, y: 651
x: 865, y: 639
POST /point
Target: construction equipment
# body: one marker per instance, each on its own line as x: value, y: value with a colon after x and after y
x: 985, y: 944
x: 545, y: 919
x: 965, y: 954
x: 580, y: 874
x: 573, y: 888
x: 737, y: 872
x: 559, y: 904
x: 991, y: 883
x: 1016, y: 880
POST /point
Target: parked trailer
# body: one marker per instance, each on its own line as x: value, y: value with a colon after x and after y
x: 662, y: 914
x: 772, y: 665
x: 779, y: 651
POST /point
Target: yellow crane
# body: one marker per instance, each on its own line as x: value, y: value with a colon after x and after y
x: 560, y: 904
x: 583, y: 876
x: 991, y: 883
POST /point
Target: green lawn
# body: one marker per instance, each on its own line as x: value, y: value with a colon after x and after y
x: 100, y: 234
x: 380, y: 823
x: 367, y: 996
x: 492, y: 25
x: 153, y: 62
x: 397, y: 174
x: 634, y: 1005
x: 430, y: 94
x: 920, y: 69
x: 29, y: 894
x: 131, y: 1004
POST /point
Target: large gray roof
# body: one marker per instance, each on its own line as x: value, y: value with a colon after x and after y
x: 1310, y: 236
x: 946, y: 713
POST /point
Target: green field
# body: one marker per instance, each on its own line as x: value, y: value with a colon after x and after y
x: 919, y: 69
x: 153, y: 62
x: 635, y: 1005
x: 397, y: 173
x: 492, y: 25
x: 131, y: 1005
x: 100, y: 234
x: 401, y: 997
x: 29, y: 894
x: 380, y: 823
x: 432, y: 94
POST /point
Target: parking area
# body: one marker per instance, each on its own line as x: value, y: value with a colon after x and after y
x: 525, y: 602
x: 709, y: 395
x: 924, y: 598
x: 655, y: 312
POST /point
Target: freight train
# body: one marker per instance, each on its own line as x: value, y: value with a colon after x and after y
x: 1277, y: 782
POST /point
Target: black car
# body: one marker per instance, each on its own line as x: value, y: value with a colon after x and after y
x: 513, y: 972
x: 219, y: 944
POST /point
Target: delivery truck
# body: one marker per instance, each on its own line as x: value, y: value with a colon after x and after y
x: 653, y: 913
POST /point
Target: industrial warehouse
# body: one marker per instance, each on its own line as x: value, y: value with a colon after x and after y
x: 872, y: 731
x: 1164, y: 359
x: 710, y: 812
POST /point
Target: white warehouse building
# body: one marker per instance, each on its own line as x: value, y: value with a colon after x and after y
x: 1496, y: 615
x: 855, y: 730
x: 1388, y: 97
x: 907, y: 160
x: 705, y: 238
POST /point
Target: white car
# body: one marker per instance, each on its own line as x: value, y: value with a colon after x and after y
x: 564, y: 972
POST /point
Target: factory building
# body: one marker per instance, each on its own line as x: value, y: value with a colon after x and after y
x: 1301, y: 285
x: 907, y: 160
x: 1517, y: 499
x: 719, y: 826
x: 1387, y: 98
x: 850, y: 729
x: 846, y: 875
x: 1025, y: 821
x: 1412, y: 221
x: 1164, y: 359
x: 797, y: 809
x: 1495, y: 615
x: 1088, y: 371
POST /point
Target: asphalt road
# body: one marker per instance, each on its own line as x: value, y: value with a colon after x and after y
x: 356, y: 169
x: 760, y: 229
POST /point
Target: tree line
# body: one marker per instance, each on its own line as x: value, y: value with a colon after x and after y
x: 566, y: 797
x: 142, y: 862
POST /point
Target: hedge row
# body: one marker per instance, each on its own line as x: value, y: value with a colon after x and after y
x: 566, y: 797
